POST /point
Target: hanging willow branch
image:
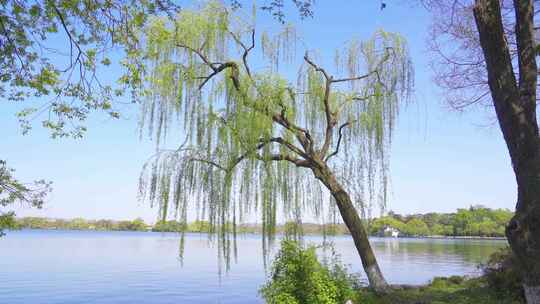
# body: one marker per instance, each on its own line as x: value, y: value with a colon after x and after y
x: 253, y: 137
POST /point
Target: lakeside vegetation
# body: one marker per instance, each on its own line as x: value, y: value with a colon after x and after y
x: 299, y: 275
x: 476, y: 221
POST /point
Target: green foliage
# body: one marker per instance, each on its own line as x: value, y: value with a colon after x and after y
x: 297, y: 277
x: 105, y: 225
x: 199, y: 226
x: 13, y: 191
x: 452, y: 290
x: 416, y: 227
x: 439, y: 229
x: 168, y: 226
x: 502, y: 273
x: 54, y: 50
x: 80, y: 224
x: 276, y: 8
x: 7, y: 221
x: 252, y: 135
x: 479, y: 220
x: 378, y: 224
x: 475, y: 221
x: 296, y: 274
x: 135, y: 225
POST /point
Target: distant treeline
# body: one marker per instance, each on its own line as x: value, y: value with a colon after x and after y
x: 80, y: 224
x: 137, y: 224
x: 474, y: 221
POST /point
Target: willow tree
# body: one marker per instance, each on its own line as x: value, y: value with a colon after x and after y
x: 255, y: 141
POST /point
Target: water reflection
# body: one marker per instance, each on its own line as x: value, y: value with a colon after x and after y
x: 128, y: 267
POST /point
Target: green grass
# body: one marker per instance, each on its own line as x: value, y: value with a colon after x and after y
x: 455, y: 290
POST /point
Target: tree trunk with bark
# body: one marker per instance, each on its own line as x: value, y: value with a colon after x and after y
x: 354, y: 224
x: 515, y: 105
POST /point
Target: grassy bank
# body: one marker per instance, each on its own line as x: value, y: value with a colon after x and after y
x: 455, y: 290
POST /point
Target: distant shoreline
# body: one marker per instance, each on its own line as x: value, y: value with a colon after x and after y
x: 465, y: 237
x: 442, y: 237
x: 476, y: 222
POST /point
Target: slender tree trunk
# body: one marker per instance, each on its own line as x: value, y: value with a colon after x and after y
x: 355, y: 226
x: 515, y: 105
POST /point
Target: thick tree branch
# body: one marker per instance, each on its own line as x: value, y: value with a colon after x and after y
x: 234, y: 163
x: 291, y: 147
x: 330, y: 116
x: 501, y: 77
x: 526, y: 51
x: 262, y: 144
x: 302, y: 134
x: 285, y: 157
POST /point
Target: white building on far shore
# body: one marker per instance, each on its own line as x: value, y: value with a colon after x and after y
x: 390, y: 231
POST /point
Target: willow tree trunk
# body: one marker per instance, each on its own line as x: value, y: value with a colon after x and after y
x: 355, y: 226
x: 515, y: 105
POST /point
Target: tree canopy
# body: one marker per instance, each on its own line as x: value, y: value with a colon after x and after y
x: 251, y: 135
x: 54, y: 51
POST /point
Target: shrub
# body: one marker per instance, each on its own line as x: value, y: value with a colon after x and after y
x: 297, y: 277
x: 456, y: 279
x: 502, y: 273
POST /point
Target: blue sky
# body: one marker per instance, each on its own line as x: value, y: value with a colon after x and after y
x: 441, y: 160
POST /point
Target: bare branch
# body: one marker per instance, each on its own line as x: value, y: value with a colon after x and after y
x: 216, y: 71
x: 203, y: 160
x: 353, y: 78
x: 339, y: 139
x: 198, y: 53
x: 317, y: 68
x: 246, y: 49
x: 525, y: 38
x: 71, y: 40
x: 330, y: 121
x: 262, y: 144
x: 291, y: 147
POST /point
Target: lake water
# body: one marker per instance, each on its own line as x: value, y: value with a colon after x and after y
x: 142, y: 267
